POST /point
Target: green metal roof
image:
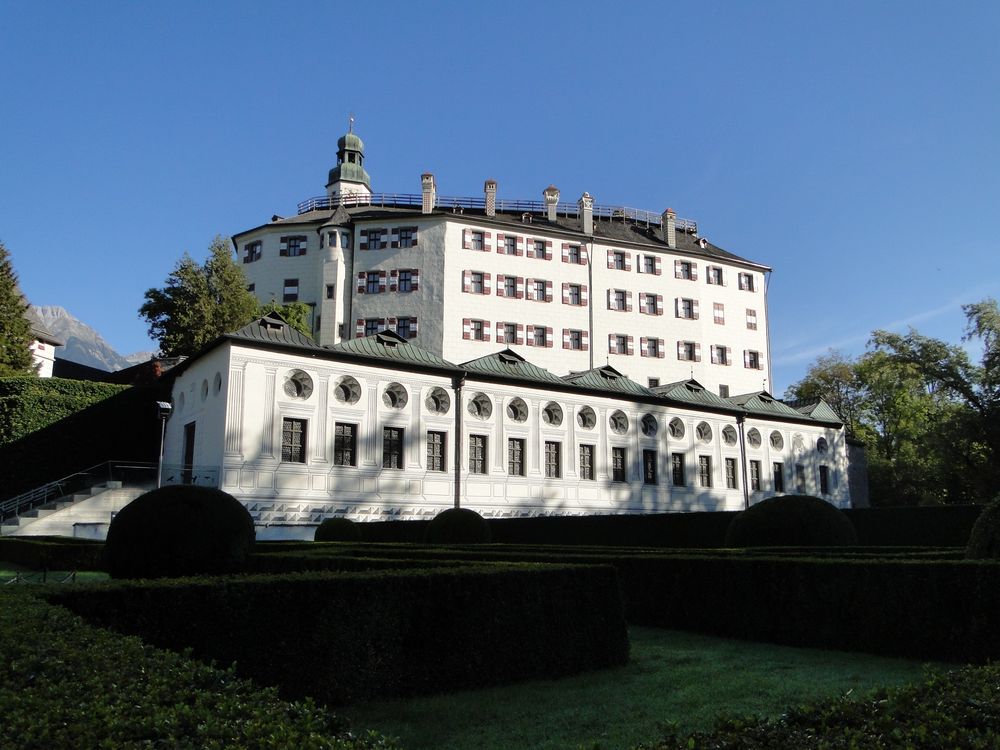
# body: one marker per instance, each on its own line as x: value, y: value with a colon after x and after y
x: 607, y: 380
x: 509, y: 364
x: 387, y: 345
x: 816, y: 408
x: 272, y: 329
x: 764, y: 404
x: 692, y: 392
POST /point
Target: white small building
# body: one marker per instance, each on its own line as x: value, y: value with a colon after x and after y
x: 43, y: 345
x: 379, y: 428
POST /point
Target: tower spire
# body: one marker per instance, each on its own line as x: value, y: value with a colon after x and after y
x: 350, y: 122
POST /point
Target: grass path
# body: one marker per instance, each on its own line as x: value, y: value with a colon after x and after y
x: 671, y: 676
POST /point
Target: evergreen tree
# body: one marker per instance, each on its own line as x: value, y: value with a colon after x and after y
x: 199, y: 302
x: 15, y: 330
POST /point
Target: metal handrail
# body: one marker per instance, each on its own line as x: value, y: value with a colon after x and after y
x: 624, y: 213
x: 66, y: 485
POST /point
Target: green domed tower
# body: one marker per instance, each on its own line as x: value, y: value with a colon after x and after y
x: 349, y: 176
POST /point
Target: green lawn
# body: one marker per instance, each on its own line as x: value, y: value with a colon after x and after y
x: 671, y: 677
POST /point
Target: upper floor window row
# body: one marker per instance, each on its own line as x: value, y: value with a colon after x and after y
x: 405, y: 327
x: 394, y: 280
x: 715, y: 275
x: 293, y: 245
x: 383, y: 239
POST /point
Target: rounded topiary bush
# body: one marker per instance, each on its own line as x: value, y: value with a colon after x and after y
x: 337, y: 530
x: 791, y: 521
x: 984, y: 540
x: 179, y: 530
x: 458, y: 526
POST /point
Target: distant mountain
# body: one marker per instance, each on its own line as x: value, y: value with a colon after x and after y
x: 84, y: 345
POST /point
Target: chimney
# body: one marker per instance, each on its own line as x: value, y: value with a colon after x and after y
x: 428, y: 191
x: 551, y: 194
x: 669, y: 227
x: 586, y: 206
x: 491, y: 197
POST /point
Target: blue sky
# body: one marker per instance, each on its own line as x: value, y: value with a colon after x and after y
x: 852, y: 146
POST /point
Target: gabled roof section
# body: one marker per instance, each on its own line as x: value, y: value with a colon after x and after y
x: 763, y: 403
x: 691, y: 392
x: 387, y: 345
x: 816, y: 408
x: 273, y: 329
x: 510, y: 364
x: 607, y: 380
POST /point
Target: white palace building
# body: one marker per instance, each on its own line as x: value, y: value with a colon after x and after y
x: 519, y: 357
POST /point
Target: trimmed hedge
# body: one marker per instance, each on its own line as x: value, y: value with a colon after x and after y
x: 52, y: 553
x: 344, y: 637
x: 958, y: 709
x: 27, y: 404
x: 984, y: 541
x: 179, y: 530
x: 930, y: 526
x: 458, y: 526
x: 791, y: 521
x: 71, y: 685
x: 337, y: 530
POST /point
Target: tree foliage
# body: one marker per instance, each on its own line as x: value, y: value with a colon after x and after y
x: 296, y: 314
x: 928, y: 415
x: 15, y: 330
x: 199, y: 302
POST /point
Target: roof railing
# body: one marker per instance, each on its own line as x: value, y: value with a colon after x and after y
x: 457, y: 203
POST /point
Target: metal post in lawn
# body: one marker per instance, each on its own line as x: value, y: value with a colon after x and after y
x: 163, y: 410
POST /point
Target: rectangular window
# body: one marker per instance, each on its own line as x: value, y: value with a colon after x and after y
x: 686, y: 351
x: 751, y: 319
x: 515, y: 457
x: 406, y: 237
x: 653, y: 382
x: 618, y: 260
x: 576, y: 340
x: 373, y: 282
x: 779, y: 476
x: 477, y: 454
x: 752, y: 360
x: 649, y: 467
x: 392, y: 447
x: 573, y: 254
x: 331, y: 291
x: 648, y: 264
x: 476, y: 281
x: 510, y: 245
x: 290, y: 292
x: 755, y: 476
x: 436, y: 454
x: 685, y: 309
x: 649, y: 304
x: 621, y: 345
x: 510, y: 286
x: 539, y: 336
x: 731, y: 480
x: 539, y: 246
x: 405, y: 280
x: 824, y: 480
x: 404, y: 328
x: 539, y: 287
x: 476, y: 241
x: 345, y: 444
x: 586, y: 461
x: 617, y: 464
x: 371, y: 326
x: 293, y: 440
x: 618, y: 299
x: 800, y: 478
x: 293, y: 246
x: 478, y: 333
x: 574, y: 294
x: 652, y: 347
x: 677, y: 469
x: 509, y: 333
x: 684, y: 270
x: 723, y: 391
x: 720, y: 355
x: 251, y: 252
x: 553, y: 465
x: 746, y: 282
x: 705, y: 471
x: 345, y: 240
x: 719, y: 313
x: 715, y: 275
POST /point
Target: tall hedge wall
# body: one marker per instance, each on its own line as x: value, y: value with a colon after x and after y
x: 59, y: 427
x: 347, y: 636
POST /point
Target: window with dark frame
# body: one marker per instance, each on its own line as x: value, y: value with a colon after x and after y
x: 618, y: 299
x: 586, y: 461
x: 251, y: 252
x: 705, y: 471
x: 404, y: 281
x: 477, y: 454
x: 392, y: 447
x: 515, y: 457
x: 573, y: 254
x: 621, y: 344
x: 509, y: 333
x: 685, y: 270
x: 649, y: 304
x: 800, y: 478
x: 824, y: 479
x: 373, y: 283
x: 293, y: 440
x: 779, y: 476
x: 648, y: 264
x: 406, y: 237
x: 404, y: 327
x: 509, y: 286
x: 371, y: 326
x: 576, y: 340
x: 731, y: 479
x: 746, y: 282
x: 436, y: 453
x: 477, y: 282
x: 617, y: 464
x: 476, y: 241
x: 294, y: 246
x: 539, y: 249
x: 677, y: 470
x: 723, y: 391
x: 330, y: 291
x: 510, y: 245
x: 618, y: 260
x: 345, y: 443
x: 649, y: 467
x: 539, y: 336
x: 290, y: 291
x: 755, y: 476
x: 553, y: 465
x: 539, y: 287
x: 574, y: 294
x: 477, y: 330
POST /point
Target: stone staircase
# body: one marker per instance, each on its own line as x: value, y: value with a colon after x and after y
x: 86, y: 513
